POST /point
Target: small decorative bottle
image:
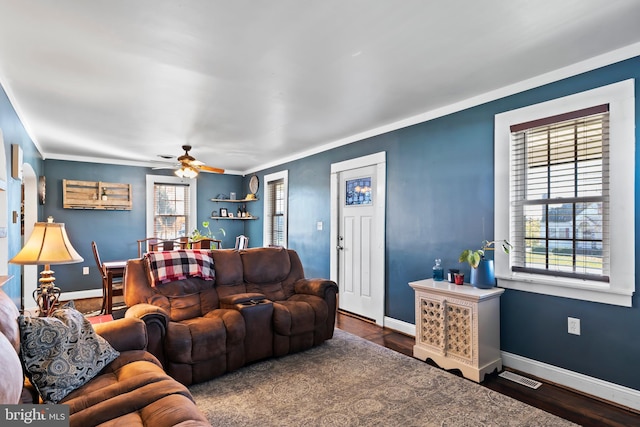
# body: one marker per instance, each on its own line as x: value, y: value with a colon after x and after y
x: 104, y: 194
x: 438, y: 272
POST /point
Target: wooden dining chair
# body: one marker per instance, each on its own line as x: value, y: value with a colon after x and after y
x: 144, y: 245
x: 206, y: 243
x: 164, y: 245
x: 184, y: 242
x: 118, y: 283
x: 242, y: 242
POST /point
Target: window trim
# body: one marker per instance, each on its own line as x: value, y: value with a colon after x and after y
x: 152, y: 180
x: 620, y: 289
x: 276, y: 176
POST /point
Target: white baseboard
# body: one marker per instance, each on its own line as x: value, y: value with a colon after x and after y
x: 601, y: 389
x: 400, y: 326
x: 91, y: 293
x: 68, y: 296
x: 621, y: 395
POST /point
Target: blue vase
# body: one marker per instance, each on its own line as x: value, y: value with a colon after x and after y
x: 484, y: 276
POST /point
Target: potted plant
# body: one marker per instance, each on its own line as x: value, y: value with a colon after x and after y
x: 197, y: 235
x: 482, y: 271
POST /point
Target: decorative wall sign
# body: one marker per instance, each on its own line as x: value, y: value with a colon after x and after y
x: 96, y: 195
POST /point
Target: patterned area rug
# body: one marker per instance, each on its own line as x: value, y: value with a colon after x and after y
x: 349, y: 381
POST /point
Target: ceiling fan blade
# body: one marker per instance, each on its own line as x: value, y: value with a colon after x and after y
x: 205, y: 168
x: 188, y: 162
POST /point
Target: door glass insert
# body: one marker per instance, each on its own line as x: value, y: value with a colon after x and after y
x: 358, y: 191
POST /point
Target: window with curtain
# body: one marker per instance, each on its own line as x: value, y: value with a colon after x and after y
x: 560, y: 194
x: 565, y: 196
x: 171, y: 210
x: 275, y: 225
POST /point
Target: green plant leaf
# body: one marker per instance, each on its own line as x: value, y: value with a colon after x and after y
x: 475, y: 259
x: 464, y: 256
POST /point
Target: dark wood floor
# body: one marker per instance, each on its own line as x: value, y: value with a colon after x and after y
x: 557, y: 400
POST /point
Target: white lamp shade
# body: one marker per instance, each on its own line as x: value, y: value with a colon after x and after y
x: 48, y: 244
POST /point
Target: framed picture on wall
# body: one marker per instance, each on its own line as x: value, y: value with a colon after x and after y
x: 223, y: 212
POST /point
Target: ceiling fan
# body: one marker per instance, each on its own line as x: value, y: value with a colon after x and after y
x: 189, y: 167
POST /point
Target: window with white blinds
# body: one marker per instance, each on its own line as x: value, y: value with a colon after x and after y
x: 276, y: 219
x: 275, y: 209
x: 565, y: 195
x: 171, y: 206
x: 171, y: 210
x: 560, y: 194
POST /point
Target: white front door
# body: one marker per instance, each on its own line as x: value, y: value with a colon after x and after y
x: 354, y: 240
x: 358, y: 237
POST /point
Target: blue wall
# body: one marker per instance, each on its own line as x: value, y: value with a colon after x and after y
x: 116, y: 232
x: 439, y: 201
x: 14, y: 133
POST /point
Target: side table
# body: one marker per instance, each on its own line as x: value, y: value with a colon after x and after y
x: 458, y: 326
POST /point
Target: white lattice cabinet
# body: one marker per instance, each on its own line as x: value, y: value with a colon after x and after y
x: 458, y: 327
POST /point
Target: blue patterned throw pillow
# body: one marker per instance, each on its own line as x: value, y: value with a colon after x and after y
x: 62, y: 352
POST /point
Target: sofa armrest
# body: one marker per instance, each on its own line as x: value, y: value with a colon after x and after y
x: 124, y: 334
x: 148, y: 311
x: 317, y: 287
x: 156, y: 320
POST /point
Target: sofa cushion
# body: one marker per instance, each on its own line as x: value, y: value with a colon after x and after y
x: 265, y: 265
x: 194, y: 340
x: 62, y: 352
x: 167, y: 266
x: 133, y: 391
x: 8, y: 325
x: 293, y: 317
x: 12, y: 378
x: 228, y: 266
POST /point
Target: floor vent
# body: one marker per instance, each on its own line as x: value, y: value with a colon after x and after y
x: 520, y: 379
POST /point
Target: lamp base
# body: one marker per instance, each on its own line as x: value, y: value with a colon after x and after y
x: 47, y: 294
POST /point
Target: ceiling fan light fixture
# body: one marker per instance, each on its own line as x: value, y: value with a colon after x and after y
x: 187, y: 172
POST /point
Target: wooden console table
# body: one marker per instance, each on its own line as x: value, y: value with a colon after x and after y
x: 458, y: 326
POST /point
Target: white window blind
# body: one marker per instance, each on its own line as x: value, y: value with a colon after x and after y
x: 277, y: 215
x: 559, y: 195
x: 171, y: 207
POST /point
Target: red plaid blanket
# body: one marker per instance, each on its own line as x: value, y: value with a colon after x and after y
x: 167, y: 266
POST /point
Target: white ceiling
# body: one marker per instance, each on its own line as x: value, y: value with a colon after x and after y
x: 250, y: 83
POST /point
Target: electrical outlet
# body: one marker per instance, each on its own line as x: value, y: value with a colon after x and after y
x: 319, y: 225
x: 85, y: 270
x: 574, y: 325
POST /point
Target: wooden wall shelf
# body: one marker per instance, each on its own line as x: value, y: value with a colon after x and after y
x: 88, y: 195
x: 246, y: 218
x: 235, y: 200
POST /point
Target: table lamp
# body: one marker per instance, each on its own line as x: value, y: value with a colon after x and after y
x: 48, y: 244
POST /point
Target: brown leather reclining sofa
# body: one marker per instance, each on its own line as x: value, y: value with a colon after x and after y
x: 132, y: 390
x: 259, y: 305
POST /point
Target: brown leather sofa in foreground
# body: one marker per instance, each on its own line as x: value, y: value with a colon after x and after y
x: 259, y: 305
x: 132, y: 390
